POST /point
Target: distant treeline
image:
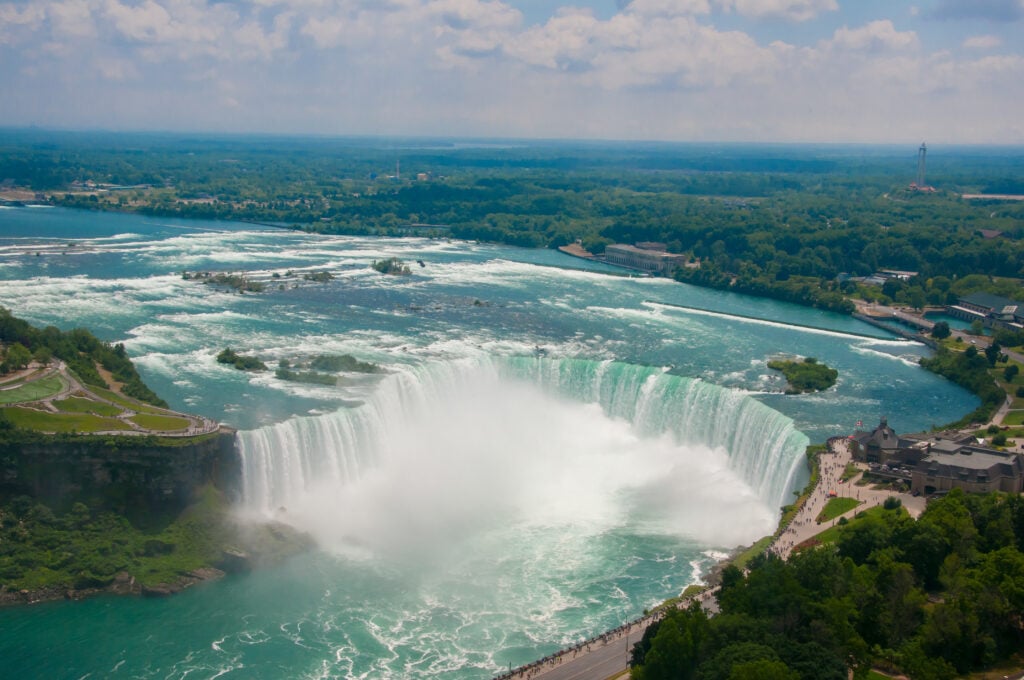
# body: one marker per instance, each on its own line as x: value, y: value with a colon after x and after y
x: 81, y: 351
x: 782, y: 221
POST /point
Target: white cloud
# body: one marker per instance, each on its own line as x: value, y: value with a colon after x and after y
x: 16, y: 20
x: 73, y: 18
x: 115, y: 69
x: 669, y: 7
x: 655, y: 69
x: 254, y: 41
x: 461, y: 14
x: 637, y: 50
x: 982, y: 42
x: 794, y: 10
x: 180, y: 21
x: 874, y: 36
x: 326, y: 32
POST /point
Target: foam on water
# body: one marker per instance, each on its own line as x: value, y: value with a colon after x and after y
x: 748, y: 320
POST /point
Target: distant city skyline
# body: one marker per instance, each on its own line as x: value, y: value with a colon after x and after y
x: 945, y: 71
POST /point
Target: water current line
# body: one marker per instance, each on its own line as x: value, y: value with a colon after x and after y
x: 747, y: 317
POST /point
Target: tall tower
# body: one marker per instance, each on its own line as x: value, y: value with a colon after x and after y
x: 921, y: 153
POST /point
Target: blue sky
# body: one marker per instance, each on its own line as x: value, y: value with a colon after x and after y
x: 945, y: 71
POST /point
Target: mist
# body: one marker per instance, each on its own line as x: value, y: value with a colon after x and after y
x: 443, y: 458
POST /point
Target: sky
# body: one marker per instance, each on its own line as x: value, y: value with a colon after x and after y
x: 860, y: 71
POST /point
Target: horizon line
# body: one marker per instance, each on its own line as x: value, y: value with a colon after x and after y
x: 6, y: 129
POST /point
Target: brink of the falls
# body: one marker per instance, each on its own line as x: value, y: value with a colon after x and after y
x: 446, y: 450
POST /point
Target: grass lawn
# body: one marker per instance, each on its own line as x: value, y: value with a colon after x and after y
x: 836, y: 507
x: 83, y: 405
x: 1014, y: 418
x: 126, y: 402
x: 831, y: 534
x: 40, y: 421
x: 850, y: 472
x: 744, y: 557
x: 159, y: 423
x: 33, y: 391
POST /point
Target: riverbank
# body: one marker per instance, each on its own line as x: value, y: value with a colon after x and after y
x: 113, y: 556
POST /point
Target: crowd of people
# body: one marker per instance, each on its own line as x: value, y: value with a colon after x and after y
x: 533, y: 669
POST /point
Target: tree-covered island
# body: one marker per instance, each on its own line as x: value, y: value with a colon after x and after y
x: 807, y: 375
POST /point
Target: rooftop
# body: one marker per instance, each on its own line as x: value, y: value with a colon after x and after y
x: 969, y: 458
x: 988, y: 300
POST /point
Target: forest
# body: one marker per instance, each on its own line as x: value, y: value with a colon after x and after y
x: 933, y: 598
x: 80, y: 350
x: 787, y: 221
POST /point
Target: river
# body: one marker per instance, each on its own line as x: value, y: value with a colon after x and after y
x: 549, y: 451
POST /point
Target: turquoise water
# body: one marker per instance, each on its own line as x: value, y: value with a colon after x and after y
x: 483, y: 502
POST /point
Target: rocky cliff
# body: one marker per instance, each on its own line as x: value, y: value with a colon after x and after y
x: 122, y: 473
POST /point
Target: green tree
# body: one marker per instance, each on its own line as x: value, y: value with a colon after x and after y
x: 941, y: 330
x: 1010, y: 372
x: 675, y: 647
x: 18, y: 357
x: 763, y: 670
x: 42, y: 355
x: 992, y: 353
x: 916, y: 297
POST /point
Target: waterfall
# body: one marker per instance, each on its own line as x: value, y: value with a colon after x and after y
x: 282, y: 462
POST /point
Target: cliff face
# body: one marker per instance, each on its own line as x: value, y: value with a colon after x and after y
x: 118, y: 472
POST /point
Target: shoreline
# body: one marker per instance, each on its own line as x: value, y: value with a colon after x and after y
x: 123, y: 584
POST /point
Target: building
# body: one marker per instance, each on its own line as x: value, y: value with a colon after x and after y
x: 938, y: 462
x: 971, y: 468
x: 897, y: 274
x: 993, y: 311
x: 644, y: 259
x: 881, y: 445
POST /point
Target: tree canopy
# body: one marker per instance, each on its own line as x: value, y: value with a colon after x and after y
x: 933, y: 598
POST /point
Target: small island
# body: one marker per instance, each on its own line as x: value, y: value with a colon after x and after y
x: 805, y: 376
x: 322, y: 369
x: 227, y: 280
x: 391, y: 265
x: 242, y: 363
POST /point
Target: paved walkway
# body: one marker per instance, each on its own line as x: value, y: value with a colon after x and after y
x: 197, y: 425
x: 832, y: 465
